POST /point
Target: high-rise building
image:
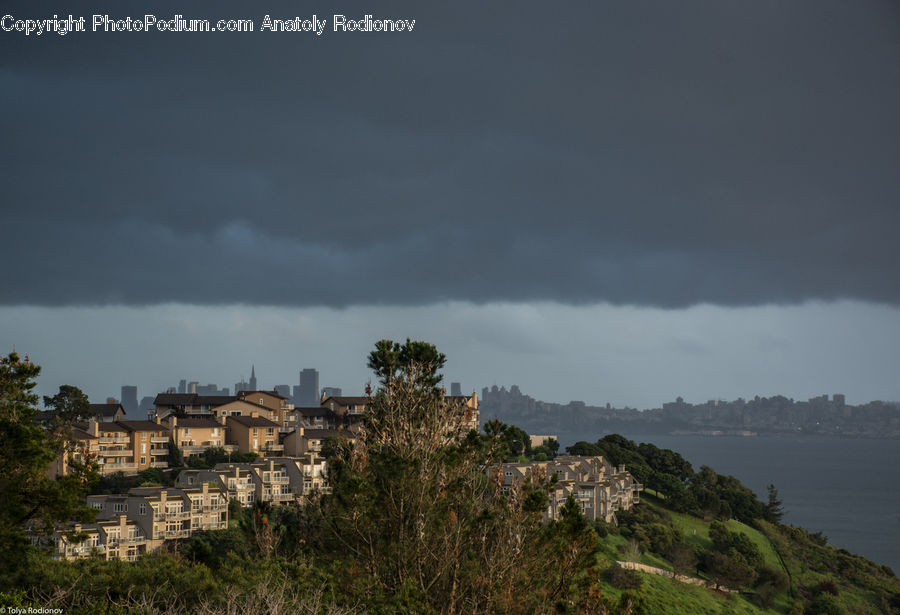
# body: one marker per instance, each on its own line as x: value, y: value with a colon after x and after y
x: 253, y: 378
x: 309, y: 388
x: 129, y: 399
x: 284, y: 390
x: 192, y: 387
x: 455, y: 389
x: 182, y: 386
x: 241, y: 386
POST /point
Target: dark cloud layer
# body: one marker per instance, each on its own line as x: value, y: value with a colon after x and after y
x: 644, y: 152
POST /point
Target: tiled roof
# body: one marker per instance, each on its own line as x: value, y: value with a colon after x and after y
x: 198, y: 422
x: 106, y: 410
x: 192, y: 399
x: 252, y: 421
x: 142, y: 426
x: 315, y: 411
x: 272, y: 393
x: 349, y: 401
x: 325, y: 433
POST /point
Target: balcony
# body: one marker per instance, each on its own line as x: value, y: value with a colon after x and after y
x: 131, y: 540
x: 281, y: 497
x: 172, y: 516
x: 80, y: 550
x: 218, y: 525
x: 159, y: 439
x: 177, y: 533
x: 159, y: 450
x: 115, y: 440
x: 159, y: 464
x: 118, y: 467
x: 116, y: 452
x: 212, y: 508
x: 279, y: 479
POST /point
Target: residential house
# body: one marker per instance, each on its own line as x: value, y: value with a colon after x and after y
x: 599, y: 488
x: 303, y: 440
x: 195, y: 434
x: 253, y: 434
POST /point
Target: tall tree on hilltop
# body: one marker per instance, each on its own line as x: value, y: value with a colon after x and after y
x: 69, y: 405
x: 417, y: 519
x: 774, y: 510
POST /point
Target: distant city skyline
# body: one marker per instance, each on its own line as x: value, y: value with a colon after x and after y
x: 596, y: 354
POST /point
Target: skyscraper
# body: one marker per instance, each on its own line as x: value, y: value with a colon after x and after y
x: 455, y: 389
x: 284, y: 390
x: 182, y: 386
x: 309, y: 388
x: 253, y: 378
x: 129, y: 399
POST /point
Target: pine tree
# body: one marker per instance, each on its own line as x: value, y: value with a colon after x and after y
x: 774, y: 508
x: 31, y: 500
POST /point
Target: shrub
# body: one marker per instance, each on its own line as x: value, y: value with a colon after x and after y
x: 825, y: 604
x: 621, y: 578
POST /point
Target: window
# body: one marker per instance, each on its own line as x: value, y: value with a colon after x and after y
x: 143, y: 448
x: 187, y: 431
x: 255, y: 431
x: 97, y: 505
x: 143, y: 509
x: 119, y: 507
x: 143, y: 460
x: 215, y: 432
x: 262, y: 401
x: 235, y: 413
x: 270, y: 431
x: 144, y: 435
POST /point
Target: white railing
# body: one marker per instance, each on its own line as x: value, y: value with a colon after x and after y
x: 116, y: 452
x: 115, y: 440
x: 177, y: 533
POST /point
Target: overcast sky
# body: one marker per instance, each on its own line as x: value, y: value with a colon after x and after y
x: 607, y: 201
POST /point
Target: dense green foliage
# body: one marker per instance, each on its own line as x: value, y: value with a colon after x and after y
x: 416, y: 521
x: 30, y: 498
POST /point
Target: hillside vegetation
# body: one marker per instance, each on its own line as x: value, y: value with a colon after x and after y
x: 414, y: 523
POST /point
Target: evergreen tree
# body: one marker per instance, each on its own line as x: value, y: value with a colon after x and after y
x: 774, y: 507
x: 31, y: 500
x: 416, y: 519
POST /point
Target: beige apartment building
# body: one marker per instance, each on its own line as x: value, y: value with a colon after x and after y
x: 599, y: 488
x: 253, y: 434
x: 116, y: 446
x: 195, y: 434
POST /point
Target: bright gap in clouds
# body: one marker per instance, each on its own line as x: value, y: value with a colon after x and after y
x: 624, y: 355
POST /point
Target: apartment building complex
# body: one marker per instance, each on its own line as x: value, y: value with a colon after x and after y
x: 598, y: 487
x: 116, y: 446
x: 277, y: 480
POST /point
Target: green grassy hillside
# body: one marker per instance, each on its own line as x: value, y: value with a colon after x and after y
x: 823, y: 579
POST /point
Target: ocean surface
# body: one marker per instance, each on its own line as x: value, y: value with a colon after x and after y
x: 849, y: 489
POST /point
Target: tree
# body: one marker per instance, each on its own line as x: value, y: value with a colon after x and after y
x: 728, y: 571
x: 30, y: 498
x: 176, y: 459
x: 391, y: 361
x: 774, y: 507
x: 69, y: 405
x: 416, y: 519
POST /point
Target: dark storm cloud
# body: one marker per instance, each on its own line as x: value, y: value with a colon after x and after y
x: 644, y: 152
